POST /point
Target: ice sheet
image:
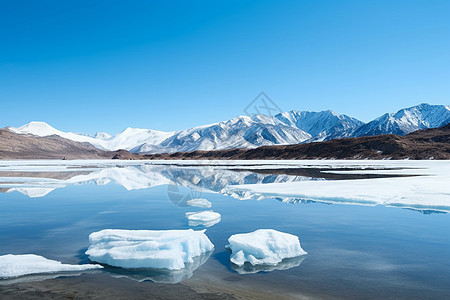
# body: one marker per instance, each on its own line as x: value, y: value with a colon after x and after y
x: 430, y: 190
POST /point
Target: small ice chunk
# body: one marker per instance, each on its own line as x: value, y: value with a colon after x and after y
x: 199, y: 202
x: 27, y: 264
x: 263, y: 247
x: 159, y: 249
x: 203, y: 218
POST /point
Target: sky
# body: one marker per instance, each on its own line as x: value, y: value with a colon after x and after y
x: 87, y: 66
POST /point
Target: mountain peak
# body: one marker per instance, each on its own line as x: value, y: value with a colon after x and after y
x: 36, y: 124
x: 407, y: 120
x: 322, y: 125
x: 37, y: 128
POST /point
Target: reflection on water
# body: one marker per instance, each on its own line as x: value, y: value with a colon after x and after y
x: 38, y: 184
x: 285, y: 264
x: 354, y: 250
x: 39, y: 181
x: 41, y: 277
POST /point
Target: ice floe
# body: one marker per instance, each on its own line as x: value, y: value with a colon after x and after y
x: 159, y: 249
x: 199, y: 202
x: 419, y: 192
x: 263, y: 247
x: 203, y: 218
x: 161, y: 275
x: 26, y: 264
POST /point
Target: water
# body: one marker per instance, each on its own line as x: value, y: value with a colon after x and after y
x: 353, y: 251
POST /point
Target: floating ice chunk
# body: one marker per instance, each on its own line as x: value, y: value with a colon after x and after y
x: 203, y: 218
x: 161, y: 275
x: 263, y: 247
x: 199, y: 202
x: 26, y: 264
x: 159, y: 249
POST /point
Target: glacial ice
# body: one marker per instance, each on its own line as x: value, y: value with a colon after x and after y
x: 161, y: 275
x: 199, y: 202
x: 158, y: 249
x: 26, y: 264
x: 430, y: 190
x: 263, y: 247
x: 203, y: 218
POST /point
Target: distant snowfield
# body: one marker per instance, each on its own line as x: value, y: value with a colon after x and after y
x: 428, y: 190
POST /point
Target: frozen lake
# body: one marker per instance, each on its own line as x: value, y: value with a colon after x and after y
x: 372, y: 229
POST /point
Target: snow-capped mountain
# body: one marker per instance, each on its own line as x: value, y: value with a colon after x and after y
x: 127, y: 139
x: 407, y: 120
x: 323, y: 125
x: 292, y: 127
x: 240, y: 132
x: 102, y: 136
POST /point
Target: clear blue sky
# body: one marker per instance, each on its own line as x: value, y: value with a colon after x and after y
x: 89, y: 66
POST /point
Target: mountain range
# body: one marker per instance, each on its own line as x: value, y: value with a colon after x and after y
x: 293, y: 127
x: 431, y: 143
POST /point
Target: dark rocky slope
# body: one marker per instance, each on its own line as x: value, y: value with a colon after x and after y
x: 26, y: 146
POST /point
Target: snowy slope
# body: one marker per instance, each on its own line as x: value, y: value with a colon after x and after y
x: 240, y: 132
x: 323, y: 125
x: 407, y: 120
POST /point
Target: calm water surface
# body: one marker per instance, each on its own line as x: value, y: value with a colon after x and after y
x: 353, y: 251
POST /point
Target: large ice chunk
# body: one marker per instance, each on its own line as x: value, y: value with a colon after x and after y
x: 161, y: 275
x: 159, y: 249
x: 199, y: 202
x: 203, y: 218
x: 263, y: 247
x: 26, y: 264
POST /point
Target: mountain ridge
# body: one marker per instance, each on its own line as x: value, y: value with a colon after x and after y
x: 431, y: 143
x: 407, y: 120
x: 292, y: 127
